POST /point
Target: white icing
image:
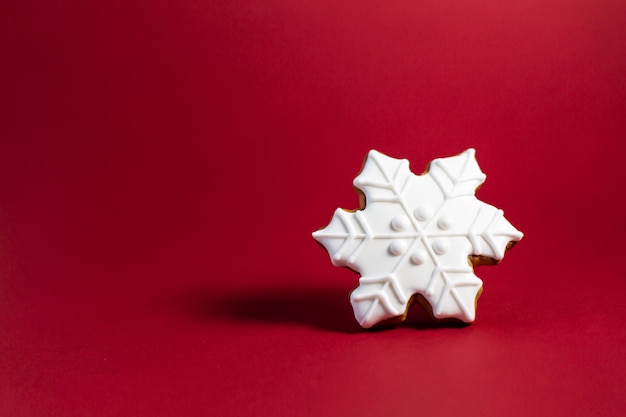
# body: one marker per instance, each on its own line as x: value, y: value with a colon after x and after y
x: 399, y: 224
x: 419, y: 257
x: 441, y: 246
x: 444, y: 223
x: 423, y: 213
x: 415, y: 236
x: 397, y: 247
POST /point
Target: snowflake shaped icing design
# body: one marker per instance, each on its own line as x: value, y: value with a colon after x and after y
x: 417, y: 235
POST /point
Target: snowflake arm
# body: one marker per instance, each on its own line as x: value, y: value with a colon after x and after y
x: 382, y: 178
x: 344, y: 237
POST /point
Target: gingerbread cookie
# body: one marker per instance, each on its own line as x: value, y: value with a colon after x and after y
x: 417, y: 238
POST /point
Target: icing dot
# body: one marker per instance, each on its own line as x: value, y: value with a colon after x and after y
x: 444, y: 223
x: 440, y: 246
x: 423, y: 213
x: 399, y: 224
x: 419, y: 257
x: 397, y: 247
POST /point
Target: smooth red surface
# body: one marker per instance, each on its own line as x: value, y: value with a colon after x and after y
x: 163, y: 164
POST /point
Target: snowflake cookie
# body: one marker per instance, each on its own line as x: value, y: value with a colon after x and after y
x: 417, y: 239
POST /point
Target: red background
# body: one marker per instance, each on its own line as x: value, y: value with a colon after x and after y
x: 163, y: 164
